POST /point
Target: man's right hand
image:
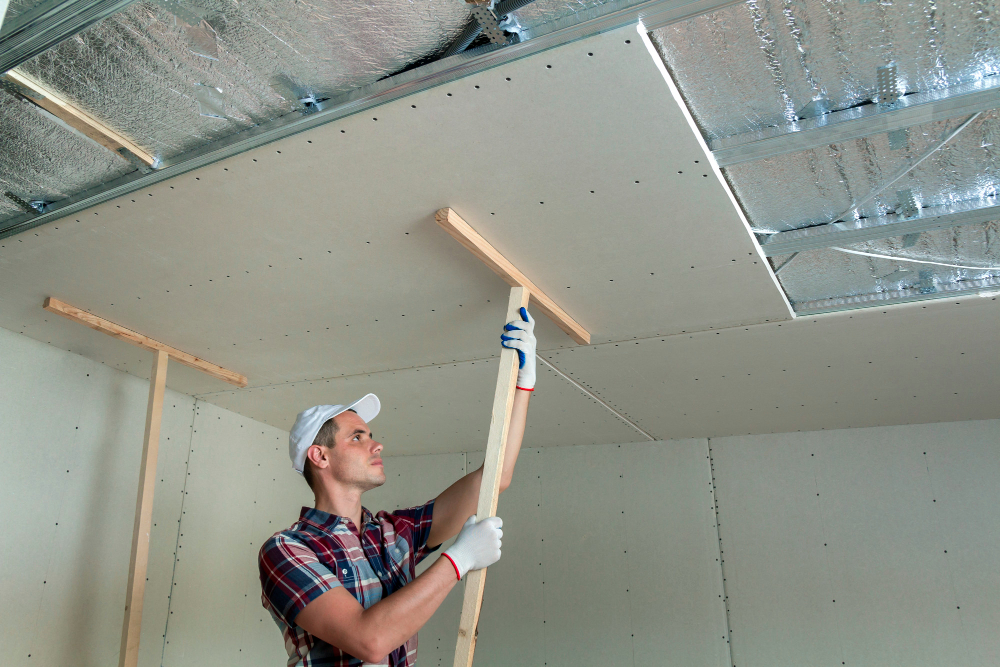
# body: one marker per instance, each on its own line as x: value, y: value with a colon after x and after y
x: 477, y: 545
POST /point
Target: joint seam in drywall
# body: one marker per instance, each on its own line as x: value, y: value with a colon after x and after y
x: 177, y: 539
x: 722, y: 560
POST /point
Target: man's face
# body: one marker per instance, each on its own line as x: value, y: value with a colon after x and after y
x: 355, y: 458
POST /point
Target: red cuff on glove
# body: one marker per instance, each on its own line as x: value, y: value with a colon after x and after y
x: 457, y: 573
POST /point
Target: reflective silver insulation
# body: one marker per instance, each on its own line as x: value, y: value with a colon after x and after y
x: 756, y: 65
x: 43, y: 159
x: 173, y: 77
x: 826, y: 273
x: 818, y: 185
x: 540, y: 12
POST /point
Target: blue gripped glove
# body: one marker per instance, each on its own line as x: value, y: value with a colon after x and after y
x: 520, y: 335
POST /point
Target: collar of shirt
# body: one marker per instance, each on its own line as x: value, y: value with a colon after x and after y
x: 328, y: 523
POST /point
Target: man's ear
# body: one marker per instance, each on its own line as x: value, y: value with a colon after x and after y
x: 317, y: 456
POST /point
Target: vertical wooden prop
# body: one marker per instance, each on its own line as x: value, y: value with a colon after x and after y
x: 129, y: 654
x: 489, y: 491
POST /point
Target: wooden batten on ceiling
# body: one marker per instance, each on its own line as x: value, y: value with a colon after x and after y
x: 42, y: 96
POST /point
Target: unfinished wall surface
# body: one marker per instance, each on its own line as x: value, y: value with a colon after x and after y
x: 70, y: 445
x: 610, y: 554
x: 873, y: 546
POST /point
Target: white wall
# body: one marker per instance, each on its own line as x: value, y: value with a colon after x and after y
x: 611, y: 552
x: 874, y: 546
x: 610, y: 555
x: 70, y: 444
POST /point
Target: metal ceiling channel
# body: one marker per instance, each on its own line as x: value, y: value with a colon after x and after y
x: 987, y: 287
x: 49, y: 23
x: 867, y: 229
x: 584, y: 24
x: 863, y: 121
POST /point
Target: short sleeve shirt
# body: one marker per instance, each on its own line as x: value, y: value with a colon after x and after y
x: 322, y: 551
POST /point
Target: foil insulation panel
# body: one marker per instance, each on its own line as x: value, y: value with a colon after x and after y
x: 45, y: 160
x: 967, y: 254
x: 174, y: 76
x: 748, y: 67
x: 819, y: 185
x: 541, y: 12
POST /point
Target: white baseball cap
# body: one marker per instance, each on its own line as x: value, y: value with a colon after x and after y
x: 309, y: 422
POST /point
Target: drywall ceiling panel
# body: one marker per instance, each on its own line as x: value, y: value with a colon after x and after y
x: 318, y: 256
x: 909, y: 364
x: 439, y: 409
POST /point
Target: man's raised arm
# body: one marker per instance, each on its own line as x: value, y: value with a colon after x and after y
x: 370, y: 634
x: 461, y: 499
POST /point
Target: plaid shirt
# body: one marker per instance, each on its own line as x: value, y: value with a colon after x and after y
x: 322, y: 551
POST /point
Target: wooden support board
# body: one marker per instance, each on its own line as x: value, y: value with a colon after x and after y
x: 453, y: 223
x: 79, y: 120
x: 489, y: 490
x: 129, y: 336
x: 128, y: 656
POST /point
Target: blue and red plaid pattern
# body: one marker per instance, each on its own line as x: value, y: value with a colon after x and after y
x: 322, y: 551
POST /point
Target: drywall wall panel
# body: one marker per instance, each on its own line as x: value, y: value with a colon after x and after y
x: 585, y: 578
x: 69, y: 473
x: 512, y: 622
x: 862, y: 546
x: 779, y: 594
x: 966, y: 493
x: 215, y: 613
x: 674, y: 579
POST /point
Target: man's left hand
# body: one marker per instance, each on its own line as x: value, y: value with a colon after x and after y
x: 520, y: 335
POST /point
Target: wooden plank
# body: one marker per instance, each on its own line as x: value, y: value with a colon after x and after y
x: 129, y: 336
x: 81, y: 121
x: 489, y: 490
x: 128, y: 656
x: 480, y: 247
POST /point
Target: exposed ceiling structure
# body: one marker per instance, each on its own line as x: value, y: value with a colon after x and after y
x: 294, y: 242
x: 859, y: 137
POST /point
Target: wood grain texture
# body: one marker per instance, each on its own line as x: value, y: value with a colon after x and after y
x: 128, y: 656
x: 453, y: 223
x: 79, y: 120
x: 100, y: 324
x: 489, y: 490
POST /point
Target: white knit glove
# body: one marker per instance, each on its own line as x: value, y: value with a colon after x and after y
x: 520, y: 335
x: 477, y: 546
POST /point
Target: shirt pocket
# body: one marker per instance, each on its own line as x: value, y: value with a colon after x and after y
x: 347, y: 576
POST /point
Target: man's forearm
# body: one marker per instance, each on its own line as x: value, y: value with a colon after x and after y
x: 515, y: 434
x: 393, y: 620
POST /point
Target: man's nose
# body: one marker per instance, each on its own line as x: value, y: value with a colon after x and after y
x: 378, y: 447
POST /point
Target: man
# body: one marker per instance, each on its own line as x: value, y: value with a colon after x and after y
x: 340, y: 583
